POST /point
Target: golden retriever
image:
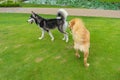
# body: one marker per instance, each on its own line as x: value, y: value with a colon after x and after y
x: 81, y: 37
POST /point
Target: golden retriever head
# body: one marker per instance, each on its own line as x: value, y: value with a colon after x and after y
x: 76, y: 23
x: 71, y: 23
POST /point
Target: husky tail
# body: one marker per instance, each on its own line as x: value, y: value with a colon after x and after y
x: 62, y: 14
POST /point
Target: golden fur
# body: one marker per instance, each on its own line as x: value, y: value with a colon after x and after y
x: 81, y: 37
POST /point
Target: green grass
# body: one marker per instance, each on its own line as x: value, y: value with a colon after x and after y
x: 24, y: 57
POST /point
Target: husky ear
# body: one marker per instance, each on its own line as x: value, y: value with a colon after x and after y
x: 33, y: 13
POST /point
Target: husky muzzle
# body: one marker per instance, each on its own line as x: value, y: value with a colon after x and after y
x: 30, y: 20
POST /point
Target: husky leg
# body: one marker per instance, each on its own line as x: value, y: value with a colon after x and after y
x: 42, y: 35
x: 63, y: 37
x: 66, y: 37
x: 52, y: 38
x: 65, y: 34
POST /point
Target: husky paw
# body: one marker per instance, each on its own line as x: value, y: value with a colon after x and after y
x: 63, y: 38
x: 66, y: 40
x: 40, y: 38
x: 52, y: 39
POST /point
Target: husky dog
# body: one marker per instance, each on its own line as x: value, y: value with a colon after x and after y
x: 47, y: 24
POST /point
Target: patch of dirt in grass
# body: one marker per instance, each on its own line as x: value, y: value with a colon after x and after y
x: 109, y: 59
x: 17, y: 46
x: 37, y: 60
x: 57, y: 57
x: 69, y: 47
x: 27, y: 59
x: 5, y: 48
x: 63, y: 61
x: 1, y: 61
x: 119, y: 69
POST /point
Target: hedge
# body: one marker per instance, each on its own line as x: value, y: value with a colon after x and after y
x: 9, y: 5
x: 91, y: 4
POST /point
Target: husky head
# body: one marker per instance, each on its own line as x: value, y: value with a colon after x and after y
x: 32, y: 18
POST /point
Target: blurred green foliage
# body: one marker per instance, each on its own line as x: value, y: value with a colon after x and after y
x: 92, y: 4
x: 9, y: 3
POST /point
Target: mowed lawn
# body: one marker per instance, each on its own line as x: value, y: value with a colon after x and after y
x: 24, y: 57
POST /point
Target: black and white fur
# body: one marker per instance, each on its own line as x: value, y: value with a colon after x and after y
x: 48, y: 24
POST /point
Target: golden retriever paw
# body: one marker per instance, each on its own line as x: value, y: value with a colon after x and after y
x: 77, y: 55
x: 87, y: 65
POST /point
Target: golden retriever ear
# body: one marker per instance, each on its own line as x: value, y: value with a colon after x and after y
x: 71, y: 24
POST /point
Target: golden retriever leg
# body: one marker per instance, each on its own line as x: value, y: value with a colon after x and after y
x: 86, y: 53
x: 77, y: 54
